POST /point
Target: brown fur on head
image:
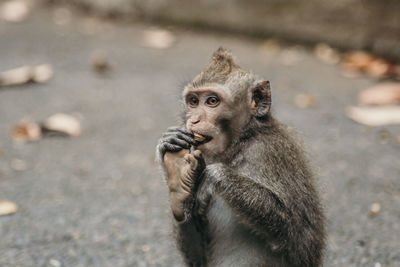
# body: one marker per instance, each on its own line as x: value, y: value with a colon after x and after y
x: 221, y: 68
x: 242, y: 99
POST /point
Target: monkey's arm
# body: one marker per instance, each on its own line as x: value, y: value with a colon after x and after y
x: 182, y: 170
x: 257, y: 206
x: 190, y: 243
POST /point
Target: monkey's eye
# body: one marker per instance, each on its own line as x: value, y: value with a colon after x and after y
x: 212, y: 101
x: 193, y: 101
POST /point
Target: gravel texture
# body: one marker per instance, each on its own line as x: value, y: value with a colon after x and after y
x: 99, y: 199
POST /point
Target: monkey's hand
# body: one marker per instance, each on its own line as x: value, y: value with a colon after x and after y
x: 183, y: 170
x: 173, y: 140
x: 210, y: 178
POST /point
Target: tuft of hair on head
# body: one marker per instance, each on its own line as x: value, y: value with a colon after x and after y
x: 223, y: 56
x: 222, y: 65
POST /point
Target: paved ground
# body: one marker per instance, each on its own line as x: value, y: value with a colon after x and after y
x: 98, y: 200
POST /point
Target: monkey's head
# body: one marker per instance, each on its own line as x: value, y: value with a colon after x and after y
x: 223, y: 102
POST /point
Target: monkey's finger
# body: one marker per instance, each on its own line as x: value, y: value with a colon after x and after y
x: 180, y: 132
x: 176, y: 141
x: 185, y: 131
x: 197, y: 154
x: 179, y: 135
x: 180, y: 129
x: 199, y: 157
x: 193, y: 163
x: 168, y: 147
x: 187, y: 158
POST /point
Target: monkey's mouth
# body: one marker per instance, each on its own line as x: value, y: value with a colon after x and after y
x: 201, y: 139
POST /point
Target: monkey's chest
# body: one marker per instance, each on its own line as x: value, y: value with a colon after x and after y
x: 231, y: 243
x: 222, y: 222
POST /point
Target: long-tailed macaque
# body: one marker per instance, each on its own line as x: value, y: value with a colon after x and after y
x: 241, y: 190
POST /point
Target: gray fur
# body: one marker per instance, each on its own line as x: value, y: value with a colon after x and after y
x: 256, y: 204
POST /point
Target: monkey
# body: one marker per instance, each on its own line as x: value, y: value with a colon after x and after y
x: 241, y: 190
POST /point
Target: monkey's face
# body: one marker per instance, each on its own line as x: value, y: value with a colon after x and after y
x: 210, y: 114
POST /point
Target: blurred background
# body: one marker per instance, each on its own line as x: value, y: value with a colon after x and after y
x: 88, y: 86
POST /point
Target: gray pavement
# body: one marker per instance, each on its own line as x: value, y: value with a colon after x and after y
x: 98, y: 200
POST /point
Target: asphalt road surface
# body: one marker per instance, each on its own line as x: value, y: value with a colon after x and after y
x: 99, y: 199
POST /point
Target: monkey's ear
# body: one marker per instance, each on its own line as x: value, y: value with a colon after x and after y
x: 261, y: 99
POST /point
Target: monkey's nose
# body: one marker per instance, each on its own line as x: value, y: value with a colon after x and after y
x: 195, y: 121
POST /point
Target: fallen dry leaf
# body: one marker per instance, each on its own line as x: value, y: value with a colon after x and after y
x: 396, y: 72
x: 375, y: 116
x: 357, y: 60
x: 54, y: 263
x: 100, y: 63
x: 7, y: 207
x: 158, y: 39
x: 62, y: 123
x: 58, y: 124
x: 361, y: 61
x: 26, y: 130
x: 145, y: 248
x: 26, y: 74
x: 374, y: 210
x: 381, y: 94
x: 379, y: 68
x: 15, y: 76
x: 42, y: 73
x: 326, y: 54
x: 305, y: 101
x: 270, y: 47
x: 18, y: 165
x: 14, y: 10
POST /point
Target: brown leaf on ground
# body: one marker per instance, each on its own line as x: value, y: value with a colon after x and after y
x: 158, y: 39
x: 14, y: 10
x: 374, y: 210
x: 375, y: 116
x: 357, y: 60
x: 42, y: 73
x: 270, y: 47
x: 381, y: 94
x: 16, y: 76
x: 326, y: 54
x: 26, y: 130
x: 26, y: 74
x: 145, y: 248
x: 379, y: 68
x: 18, y: 165
x: 7, y: 207
x: 305, y: 101
x: 361, y: 61
x: 62, y: 124
x: 100, y: 62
